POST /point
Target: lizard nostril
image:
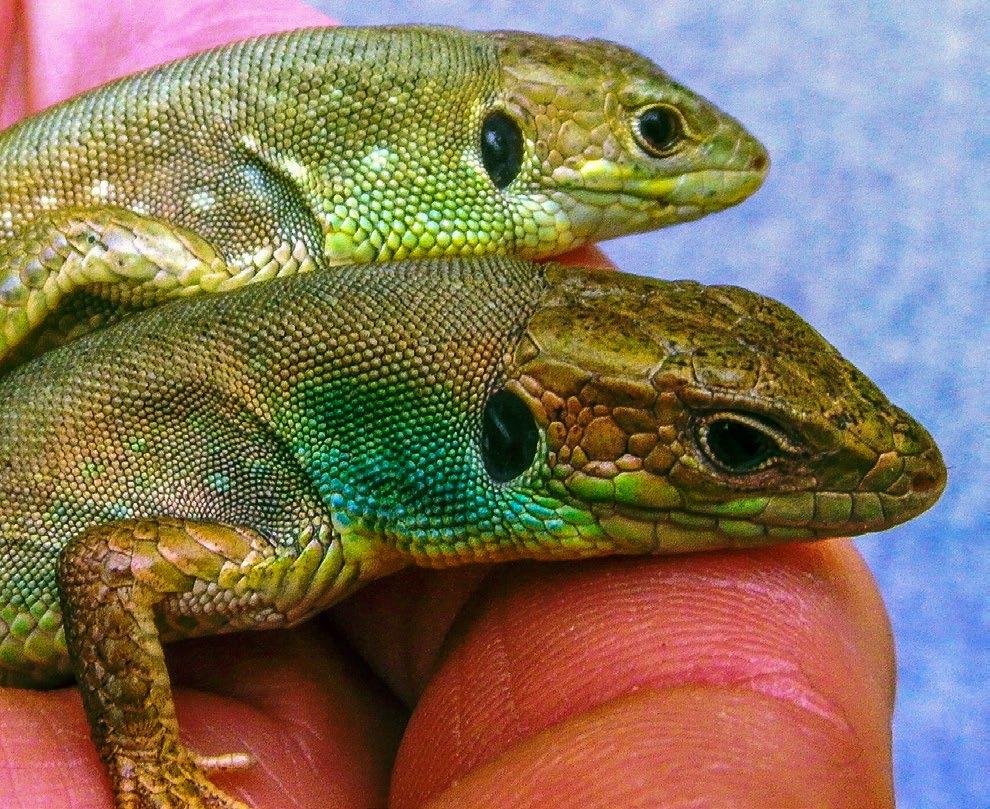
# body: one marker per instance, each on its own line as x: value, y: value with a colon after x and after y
x: 759, y: 162
x: 922, y: 482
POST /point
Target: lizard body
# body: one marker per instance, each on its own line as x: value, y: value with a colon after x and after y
x: 246, y: 459
x: 321, y: 147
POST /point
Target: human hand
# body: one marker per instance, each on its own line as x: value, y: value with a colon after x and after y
x: 759, y: 678
x: 748, y: 679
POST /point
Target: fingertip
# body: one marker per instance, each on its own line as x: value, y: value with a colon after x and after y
x: 800, y: 627
x: 587, y: 255
x: 100, y: 41
x: 680, y: 747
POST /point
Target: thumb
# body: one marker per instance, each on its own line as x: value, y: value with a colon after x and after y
x: 51, y: 51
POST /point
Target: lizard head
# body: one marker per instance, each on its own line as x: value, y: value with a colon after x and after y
x: 592, y: 133
x: 505, y: 409
x: 670, y: 416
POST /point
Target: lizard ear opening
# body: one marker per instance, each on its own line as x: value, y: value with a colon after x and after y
x: 509, y: 436
x: 501, y: 147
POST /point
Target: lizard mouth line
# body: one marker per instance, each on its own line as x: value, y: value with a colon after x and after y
x: 743, y: 182
x: 889, y: 510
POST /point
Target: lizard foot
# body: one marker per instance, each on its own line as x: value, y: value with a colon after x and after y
x: 225, y: 762
x: 174, y: 782
x: 111, y: 579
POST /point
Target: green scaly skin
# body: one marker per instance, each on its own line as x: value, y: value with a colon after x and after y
x: 323, y: 147
x: 245, y: 460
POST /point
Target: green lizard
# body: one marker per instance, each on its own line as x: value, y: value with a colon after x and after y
x: 245, y: 460
x: 322, y: 147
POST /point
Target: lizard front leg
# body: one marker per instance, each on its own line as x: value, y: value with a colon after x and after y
x: 125, y: 259
x: 124, y: 583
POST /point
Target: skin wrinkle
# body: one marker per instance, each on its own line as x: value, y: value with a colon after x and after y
x: 277, y: 778
x: 337, y: 725
x: 778, y: 677
x: 475, y: 597
x: 774, y: 676
x: 189, y: 712
x: 496, y: 650
x: 430, y: 658
x: 282, y: 780
x: 312, y: 731
x: 69, y: 766
x: 331, y: 726
x: 433, y: 619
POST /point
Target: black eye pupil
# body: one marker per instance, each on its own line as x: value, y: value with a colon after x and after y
x: 739, y: 447
x: 660, y: 129
x: 508, y: 436
x: 501, y: 148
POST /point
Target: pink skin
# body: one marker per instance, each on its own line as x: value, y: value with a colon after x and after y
x: 757, y: 679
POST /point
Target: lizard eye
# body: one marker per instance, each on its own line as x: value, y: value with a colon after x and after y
x: 740, y: 444
x: 501, y: 148
x: 659, y: 130
x: 509, y: 436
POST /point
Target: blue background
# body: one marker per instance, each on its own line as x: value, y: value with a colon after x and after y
x: 873, y: 226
